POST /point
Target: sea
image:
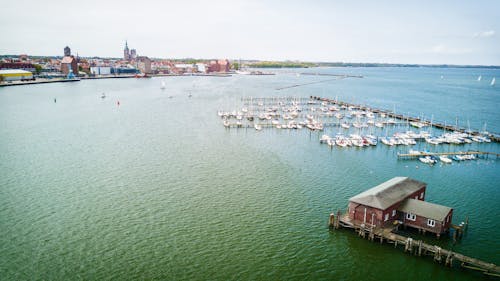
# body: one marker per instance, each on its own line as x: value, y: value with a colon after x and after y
x: 156, y: 188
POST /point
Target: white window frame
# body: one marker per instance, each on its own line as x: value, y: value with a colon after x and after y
x: 393, y: 213
x: 422, y: 195
x: 410, y: 216
x: 386, y: 217
x: 431, y: 223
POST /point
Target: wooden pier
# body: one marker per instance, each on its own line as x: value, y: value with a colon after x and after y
x: 493, y: 136
x: 415, y: 247
x: 421, y: 154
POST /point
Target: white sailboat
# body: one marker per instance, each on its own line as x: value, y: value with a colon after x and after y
x: 492, y: 82
x: 445, y: 159
x: 479, y: 78
x: 162, y: 85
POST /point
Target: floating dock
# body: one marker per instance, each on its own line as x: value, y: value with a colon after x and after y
x: 413, y: 155
x: 493, y: 137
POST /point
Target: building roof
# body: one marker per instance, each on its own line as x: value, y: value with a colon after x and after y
x: 15, y: 71
x: 425, y: 209
x: 67, y: 60
x: 388, y: 193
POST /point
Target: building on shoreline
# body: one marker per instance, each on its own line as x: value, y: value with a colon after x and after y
x: 15, y: 75
x: 69, y: 64
x: 144, y: 64
x: 401, y: 201
x: 18, y: 65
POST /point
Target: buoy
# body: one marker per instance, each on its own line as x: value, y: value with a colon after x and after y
x: 55, y: 100
x: 118, y: 103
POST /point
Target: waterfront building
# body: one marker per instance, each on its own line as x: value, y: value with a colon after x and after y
x: 133, y: 54
x: 100, y: 70
x: 15, y: 75
x: 425, y: 216
x: 185, y: 68
x: 202, y: 67
x: 144, y: 64
x: 126, y: 52
x: 123, y: 70
x: 399, y: 200
x: 219, y: 66
x: 69, y: 63
x: 67, y: 51
x: 18, y: 65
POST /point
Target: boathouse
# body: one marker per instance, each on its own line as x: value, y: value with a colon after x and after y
x: 425, y: 216
x: 378, y: 206
x: 399, y: 200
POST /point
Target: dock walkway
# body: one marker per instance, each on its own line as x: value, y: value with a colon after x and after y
x: 412, y: 155
x: 440, y: 125
x: 416, y: 247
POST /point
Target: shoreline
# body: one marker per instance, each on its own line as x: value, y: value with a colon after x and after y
x: 57, y: 80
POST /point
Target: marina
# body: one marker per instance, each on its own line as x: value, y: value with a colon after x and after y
x: 357, y: 126
x: 89, y: 187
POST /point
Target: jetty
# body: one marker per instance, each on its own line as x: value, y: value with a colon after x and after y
x: 439, y: 125
x: 379, y: 212
x: 423, y: 154
x: 415, y: 247
x: 331, y: 74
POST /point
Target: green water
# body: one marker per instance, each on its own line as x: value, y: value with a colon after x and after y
x: 157, y: 188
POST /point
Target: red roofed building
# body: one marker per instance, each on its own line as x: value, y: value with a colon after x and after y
x: 219, y: 66
x: 18, y: 65
x: 68, y: 63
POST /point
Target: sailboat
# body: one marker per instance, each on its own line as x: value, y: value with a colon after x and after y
x: 479, y: 78
x: 162, y: 85
x: 492, y: 82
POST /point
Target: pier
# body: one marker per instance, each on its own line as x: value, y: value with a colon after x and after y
x: 415, y: 247
x: 421, y: 154
x: 439, y: 125
x: 328, y: 74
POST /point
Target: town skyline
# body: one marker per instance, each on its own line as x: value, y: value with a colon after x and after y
x: 448, y: 32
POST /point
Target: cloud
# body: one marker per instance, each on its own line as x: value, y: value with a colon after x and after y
x: 440, y: 48
x: 484, y: 34
x: 443, y: 49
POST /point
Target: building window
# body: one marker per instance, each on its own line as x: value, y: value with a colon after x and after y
x: 386, y: 217
x: 411, y: 216
x: 431, y: 223
x: 393, y: 213
x: 422, y: 195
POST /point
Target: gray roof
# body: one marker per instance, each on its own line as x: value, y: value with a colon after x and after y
x: 388, y: 193
x: 425, y: 209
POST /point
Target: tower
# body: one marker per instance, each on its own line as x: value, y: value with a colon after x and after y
x: 126, y: 53
x: 67, y: 51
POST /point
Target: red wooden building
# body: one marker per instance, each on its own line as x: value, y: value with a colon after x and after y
x: 399, y: 199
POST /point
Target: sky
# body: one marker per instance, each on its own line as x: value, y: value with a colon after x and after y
x: 413, y: 31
